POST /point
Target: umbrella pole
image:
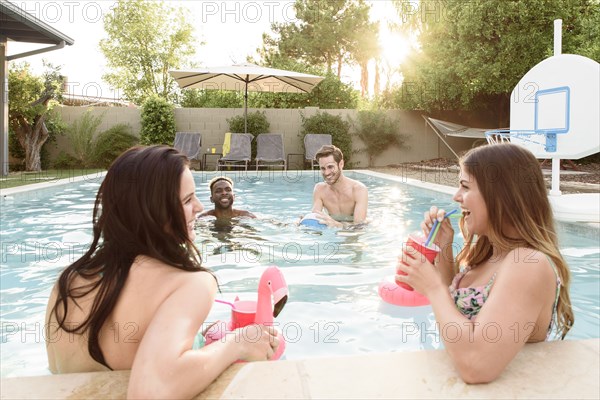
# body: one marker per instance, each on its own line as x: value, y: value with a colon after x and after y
x: 246, y: 110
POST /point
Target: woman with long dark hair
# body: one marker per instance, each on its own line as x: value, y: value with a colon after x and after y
x: 138, y: 297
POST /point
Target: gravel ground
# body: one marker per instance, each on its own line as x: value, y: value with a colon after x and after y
x: 445, y: 172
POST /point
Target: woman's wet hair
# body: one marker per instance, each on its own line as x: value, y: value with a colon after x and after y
x: 138, y: 211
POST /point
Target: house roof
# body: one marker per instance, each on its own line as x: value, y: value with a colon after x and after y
x: 18, y: 25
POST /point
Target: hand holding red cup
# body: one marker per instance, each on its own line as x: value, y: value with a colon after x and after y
x: 430, y: 252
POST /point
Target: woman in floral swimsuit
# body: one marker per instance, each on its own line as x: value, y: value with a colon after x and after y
x: 513, y: 287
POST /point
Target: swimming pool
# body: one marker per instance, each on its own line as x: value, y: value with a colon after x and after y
x: 333, y: 306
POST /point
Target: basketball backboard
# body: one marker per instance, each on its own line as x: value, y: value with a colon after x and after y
x: 560, y: 99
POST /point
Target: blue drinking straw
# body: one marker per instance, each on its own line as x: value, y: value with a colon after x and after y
x: 436, y: 227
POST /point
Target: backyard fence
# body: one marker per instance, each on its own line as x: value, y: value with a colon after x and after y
x: 422, y: 143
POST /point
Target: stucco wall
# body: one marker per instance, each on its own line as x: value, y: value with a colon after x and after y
x: 423, y: 144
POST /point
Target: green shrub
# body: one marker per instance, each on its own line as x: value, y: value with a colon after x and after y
x: 333, y: 125
x: 158, y: 121
x: 15, y: 150
x: 66, y: 161
x: 56, y: 127
x: 81, y: 135
x: 257, y: 124
x: 377, y: 132
x: 111, y: 143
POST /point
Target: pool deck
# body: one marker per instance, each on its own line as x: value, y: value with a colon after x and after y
x: 561, y: 369
x: 578, y: 208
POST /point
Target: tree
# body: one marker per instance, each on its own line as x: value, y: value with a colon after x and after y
x: 145, y: 40
x: 198, y: 98
x: 330, y: 93
x: 31, y: 100
x: 325, y: 33
x: 474, y: 53
x: 583, y: 37
x: 364, y: 43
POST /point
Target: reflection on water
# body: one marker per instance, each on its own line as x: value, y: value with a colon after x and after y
x: 225, y: 234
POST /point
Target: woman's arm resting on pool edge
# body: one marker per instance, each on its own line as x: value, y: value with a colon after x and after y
x: 165, y: 366
x: 481, y: 349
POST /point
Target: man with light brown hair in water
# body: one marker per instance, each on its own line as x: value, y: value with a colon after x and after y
x: 345, y: 199
x: 222, y: 196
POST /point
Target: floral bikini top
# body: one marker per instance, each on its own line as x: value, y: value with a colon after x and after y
x: 470, y: 300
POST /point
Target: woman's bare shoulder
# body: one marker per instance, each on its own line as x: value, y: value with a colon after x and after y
x: 527, y: 264
x: 149, y: 270
x: 524, y: 256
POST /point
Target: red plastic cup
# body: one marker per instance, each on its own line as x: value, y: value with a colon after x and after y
x: 243, y: 314
x: 418, y: 243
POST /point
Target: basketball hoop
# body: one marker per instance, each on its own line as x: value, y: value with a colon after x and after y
x: 540, y: 140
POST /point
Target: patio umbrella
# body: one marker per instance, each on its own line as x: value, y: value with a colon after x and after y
x: 246, y: 77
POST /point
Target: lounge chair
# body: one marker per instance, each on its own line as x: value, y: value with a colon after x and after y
x: 240, y: 151
x: 269, y: 150
x: 226, y: 144
x: 312, y: 143
x: 189, y: 143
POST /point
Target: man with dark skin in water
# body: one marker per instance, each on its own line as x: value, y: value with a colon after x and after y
x: 222, y: 196
x: 345, y: 199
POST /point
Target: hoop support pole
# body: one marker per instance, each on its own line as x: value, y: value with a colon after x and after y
x: 555, y: 189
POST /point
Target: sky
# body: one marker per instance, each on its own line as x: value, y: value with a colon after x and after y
x: 231, y: 30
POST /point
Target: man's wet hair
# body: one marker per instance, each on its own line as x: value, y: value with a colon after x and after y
x: 330, y: 150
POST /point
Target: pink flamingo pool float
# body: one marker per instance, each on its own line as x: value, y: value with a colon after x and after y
x: 392, y: 293
x: 272, y: 296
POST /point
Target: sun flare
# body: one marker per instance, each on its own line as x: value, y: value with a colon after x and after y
x: 395, y: 47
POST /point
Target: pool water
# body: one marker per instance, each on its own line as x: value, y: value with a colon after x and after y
x: 333, y: 307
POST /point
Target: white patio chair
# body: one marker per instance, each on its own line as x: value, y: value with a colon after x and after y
x: 312, y: 143
x: 269, y: 151
x: 240, y: 152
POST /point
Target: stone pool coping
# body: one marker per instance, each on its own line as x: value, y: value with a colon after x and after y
x: 559, y: 369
